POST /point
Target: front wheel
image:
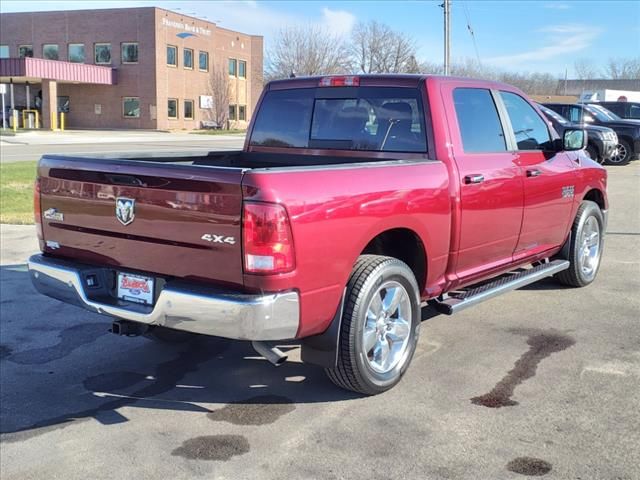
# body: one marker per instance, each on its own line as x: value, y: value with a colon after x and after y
x: 380, y: 324
x: 585, y: 249
x: 622, y: 155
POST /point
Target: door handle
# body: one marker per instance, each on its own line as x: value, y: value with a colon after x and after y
x: 534, y: 172
x: 473, y: 179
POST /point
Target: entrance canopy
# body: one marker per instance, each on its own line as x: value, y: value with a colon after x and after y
x: 34, y: 70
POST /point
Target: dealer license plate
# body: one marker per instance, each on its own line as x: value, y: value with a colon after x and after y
x: 135, y: 288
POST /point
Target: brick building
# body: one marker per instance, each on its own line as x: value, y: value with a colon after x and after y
x: 145, y: 68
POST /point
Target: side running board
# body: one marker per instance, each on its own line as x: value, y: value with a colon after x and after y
x: 462, y: 299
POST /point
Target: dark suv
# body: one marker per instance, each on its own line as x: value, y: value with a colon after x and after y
x: 628, y: 131
x: 602, y: 140
x: 627, y: 110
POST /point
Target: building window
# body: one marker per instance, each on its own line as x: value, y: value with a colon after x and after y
x: 242, y: 69
x: 203, y: 61
x: 50, y: 51
x: 130, y: 52
x: 232, y: 112
x: 4, y: 51
x: 76, y: 52
x: 25, y: 51
x: 173, y: 108
x: 131, y: 107
x: 233, y: 67
x: 188, y: 109
x: 102, y: 53
x: 242, y: 112
x: 172, y: 56
x: 187, y: 58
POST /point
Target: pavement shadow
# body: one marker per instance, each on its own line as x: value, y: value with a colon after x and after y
x: 60, y: 365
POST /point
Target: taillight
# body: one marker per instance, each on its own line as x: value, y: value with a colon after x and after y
x: 267, y: 239
x: 37, y: 210
x: 344, y: 81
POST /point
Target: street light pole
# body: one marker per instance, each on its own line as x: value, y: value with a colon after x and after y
x: 447, y: 36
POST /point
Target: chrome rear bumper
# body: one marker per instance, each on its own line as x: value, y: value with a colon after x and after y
x: 179, y: 306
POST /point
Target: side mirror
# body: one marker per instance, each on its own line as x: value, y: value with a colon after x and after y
x: 574, y: 139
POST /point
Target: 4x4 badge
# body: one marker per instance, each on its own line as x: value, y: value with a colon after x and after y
x: 125, y: 210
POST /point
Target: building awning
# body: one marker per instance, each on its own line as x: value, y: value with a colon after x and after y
x: 36, y: 69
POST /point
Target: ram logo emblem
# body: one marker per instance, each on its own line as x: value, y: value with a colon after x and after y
x: 125, y: 210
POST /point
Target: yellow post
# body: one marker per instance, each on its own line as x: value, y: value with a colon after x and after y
x: 62, y: 121
x: 14, y: 114
x: 37, y: 119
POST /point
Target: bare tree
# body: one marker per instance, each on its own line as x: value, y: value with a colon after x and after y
x: 309, y: 50
x: 623, y: 68
x: 585, y: 69
x: 376, y: 48
x: 220, y: 90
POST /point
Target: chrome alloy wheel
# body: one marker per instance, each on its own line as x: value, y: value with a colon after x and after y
x: 589, y: 254
x: 387, y: 327
x: 619, y: 155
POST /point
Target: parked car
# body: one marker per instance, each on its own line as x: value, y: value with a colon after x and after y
x: 602, y: 141
x: 628, y: 131
x: 354, y: 200
x: 628, y: 110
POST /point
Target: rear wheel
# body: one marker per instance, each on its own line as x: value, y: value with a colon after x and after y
x: 585, y: 250
x: 622, y: 155
x: 380, y: 325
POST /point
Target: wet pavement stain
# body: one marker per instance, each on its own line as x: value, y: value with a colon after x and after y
x: 5, y: 351
x: 260, y: 410
x: 165, y: 378
x: 70, y: 339
x: 541, y: 345
x: 529, y: 466
x: 213, y: 447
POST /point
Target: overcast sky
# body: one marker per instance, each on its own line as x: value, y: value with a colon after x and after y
x: 545, y: 36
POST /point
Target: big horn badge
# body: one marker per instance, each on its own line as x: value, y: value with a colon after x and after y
x: 125, y: 210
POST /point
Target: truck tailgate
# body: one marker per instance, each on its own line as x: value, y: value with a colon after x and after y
x: 185, y: 220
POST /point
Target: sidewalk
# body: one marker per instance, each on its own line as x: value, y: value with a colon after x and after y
x: 46, y: 137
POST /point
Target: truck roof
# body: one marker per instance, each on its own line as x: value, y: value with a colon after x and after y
x: 390, y: 79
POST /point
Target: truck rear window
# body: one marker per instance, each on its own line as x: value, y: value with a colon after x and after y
x: 383, y: 119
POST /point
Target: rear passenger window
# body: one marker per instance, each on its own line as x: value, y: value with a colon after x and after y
x: 530, y: 130
x: 478, y: 121
x: 634, y: 112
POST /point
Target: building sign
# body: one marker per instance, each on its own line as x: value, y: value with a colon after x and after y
x: 206, y: 101
x: 186, y: 27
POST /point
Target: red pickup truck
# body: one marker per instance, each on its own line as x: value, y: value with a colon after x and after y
x: 356, y: 201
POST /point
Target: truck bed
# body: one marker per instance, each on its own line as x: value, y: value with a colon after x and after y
x: 178, y: 201
x: 227, y: 159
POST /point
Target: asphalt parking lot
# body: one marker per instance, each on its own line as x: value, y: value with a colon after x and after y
x: 30, y: 146
x: 541, y: 381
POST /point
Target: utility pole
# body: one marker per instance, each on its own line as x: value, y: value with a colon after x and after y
x: 447, y: 35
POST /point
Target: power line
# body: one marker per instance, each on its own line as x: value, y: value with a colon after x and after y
x: 471, y: 32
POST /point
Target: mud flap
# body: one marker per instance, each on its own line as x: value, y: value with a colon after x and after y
x: 322, y: 349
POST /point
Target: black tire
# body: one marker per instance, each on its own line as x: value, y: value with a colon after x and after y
x: 574, y: 276
x: 169, y: 335
x: 353, y: 371
x: 592, y: 153
x: 623, y: 146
